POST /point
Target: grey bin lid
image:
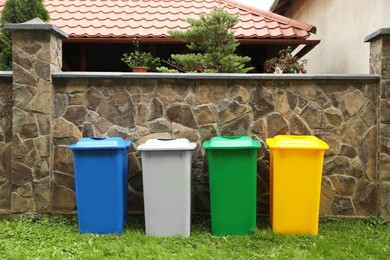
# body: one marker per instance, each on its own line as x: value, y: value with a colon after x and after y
x: 180, y: 144
x: 100, y: 143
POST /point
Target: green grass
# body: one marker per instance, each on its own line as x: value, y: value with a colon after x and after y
x: 30, y: 237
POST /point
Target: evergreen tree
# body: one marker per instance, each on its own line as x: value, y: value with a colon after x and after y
x: 211, y: 38
x: 17, y: 11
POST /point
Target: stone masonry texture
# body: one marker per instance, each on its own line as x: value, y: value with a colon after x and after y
x: 36, y: 54
x: 380, y: 64
x: 5, y: 142
x: 342, y: 113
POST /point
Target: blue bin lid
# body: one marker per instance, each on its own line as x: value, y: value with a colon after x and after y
x: 231, y: 142
x: 98, y: 143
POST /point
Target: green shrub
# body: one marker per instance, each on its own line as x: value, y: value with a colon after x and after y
x: 166, y: 70
x: 17, y: 11
x: 211, y: 38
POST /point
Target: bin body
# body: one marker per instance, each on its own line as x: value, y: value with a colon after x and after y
x: 233, y: 184
x: 100, y: 170
x: 295, y: 179
x: 166, y: 171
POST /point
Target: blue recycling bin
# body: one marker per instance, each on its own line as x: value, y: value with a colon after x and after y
x: 100, y: 170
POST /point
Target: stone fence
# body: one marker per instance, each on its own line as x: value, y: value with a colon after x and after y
x: 43, y: 110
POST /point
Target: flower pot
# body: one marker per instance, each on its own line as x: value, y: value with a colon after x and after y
x: 140, y: 69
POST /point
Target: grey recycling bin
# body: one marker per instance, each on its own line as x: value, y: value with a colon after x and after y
x: 166, y: 165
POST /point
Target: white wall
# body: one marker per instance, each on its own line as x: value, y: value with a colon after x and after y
x: 342, y: 26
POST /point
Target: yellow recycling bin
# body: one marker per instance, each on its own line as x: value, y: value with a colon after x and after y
x: 295, y: 183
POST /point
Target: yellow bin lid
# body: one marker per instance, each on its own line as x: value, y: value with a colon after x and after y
x: 296, y: 142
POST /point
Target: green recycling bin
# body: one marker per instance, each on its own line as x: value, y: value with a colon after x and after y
x: 233, y: 177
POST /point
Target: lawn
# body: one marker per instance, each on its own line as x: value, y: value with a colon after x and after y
x: 58, y: 238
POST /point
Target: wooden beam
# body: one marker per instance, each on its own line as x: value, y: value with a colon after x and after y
x: 305, y: 50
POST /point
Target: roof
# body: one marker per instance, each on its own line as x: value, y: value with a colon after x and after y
x: 154, y: 18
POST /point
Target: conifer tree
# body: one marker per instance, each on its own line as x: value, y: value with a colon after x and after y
x: 211, y: 38
x: 17, y: 11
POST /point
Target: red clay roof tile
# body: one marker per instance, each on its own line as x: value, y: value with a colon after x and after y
x: 154, y: 18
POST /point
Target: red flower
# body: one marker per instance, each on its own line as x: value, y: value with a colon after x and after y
x: 199, y: 69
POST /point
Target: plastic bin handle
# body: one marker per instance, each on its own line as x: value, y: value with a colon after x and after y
x: 98, y: 138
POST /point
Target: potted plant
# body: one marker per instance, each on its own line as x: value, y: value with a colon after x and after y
x: 285, y: 63
x: 140, y: 61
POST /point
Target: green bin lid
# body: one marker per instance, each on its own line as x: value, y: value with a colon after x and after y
x: 231, y: 142
x: 308, y: 142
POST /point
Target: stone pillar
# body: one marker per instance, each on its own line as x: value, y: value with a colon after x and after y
x: 5, y: 141
x: 380, y: 64
x: 37, y: 53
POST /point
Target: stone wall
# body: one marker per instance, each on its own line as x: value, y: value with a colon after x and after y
x: 5, y: 141
x: 380, y: 65
x: 36, y: 54
x: 341, y: 112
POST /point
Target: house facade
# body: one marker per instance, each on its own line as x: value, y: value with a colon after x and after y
x: 342, y: 27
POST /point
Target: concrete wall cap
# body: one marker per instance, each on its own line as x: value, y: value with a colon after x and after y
x: 241, y: 76
x: 6, y: 74
x: 35, y: 24
x: 376, y: 34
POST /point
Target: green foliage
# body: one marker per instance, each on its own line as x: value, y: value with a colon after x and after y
x: 189, y: 62
x: 138, y: 58
x: 31, y: 237
x: 5, y: 52
x: 17, y: 11
x: 211, y: 38
x: 285, y: 63
x: 376, y: 221
x: 166, y: 70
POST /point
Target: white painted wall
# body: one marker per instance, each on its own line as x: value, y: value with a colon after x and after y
x: 261, y: 4
x: 342, y: 26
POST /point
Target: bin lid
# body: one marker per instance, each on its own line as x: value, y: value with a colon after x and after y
x: 96, y: 143
x: 167, y: 145
x: 231, y: 142
x: 296, y: 142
